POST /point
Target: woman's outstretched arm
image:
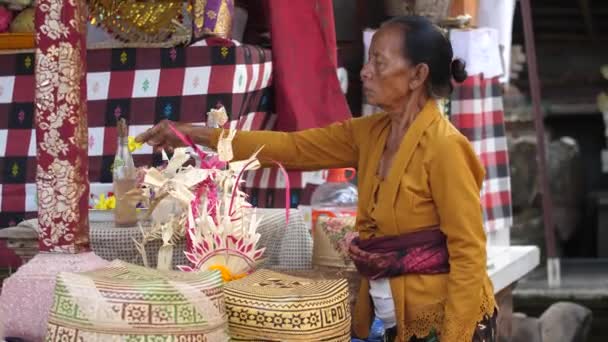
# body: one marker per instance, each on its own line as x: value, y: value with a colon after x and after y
x: 320, y: 148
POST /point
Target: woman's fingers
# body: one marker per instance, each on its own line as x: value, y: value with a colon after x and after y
x: 146, y: 136
x: 160, y: 148
x: 160, y: 137
x: 155, y: 135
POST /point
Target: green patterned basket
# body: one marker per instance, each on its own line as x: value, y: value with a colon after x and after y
x: 125, y: 302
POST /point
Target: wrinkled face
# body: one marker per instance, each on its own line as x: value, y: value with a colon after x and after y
x: 388, y: 77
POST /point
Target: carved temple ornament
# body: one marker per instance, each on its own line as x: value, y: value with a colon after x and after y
x: 132, y: 21
x: 212, y: 18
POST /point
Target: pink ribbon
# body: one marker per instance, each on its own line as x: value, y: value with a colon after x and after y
x: 216, y: 163
x: 213, y: 163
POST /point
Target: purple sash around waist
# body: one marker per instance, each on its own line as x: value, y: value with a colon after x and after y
x: 422, y: 252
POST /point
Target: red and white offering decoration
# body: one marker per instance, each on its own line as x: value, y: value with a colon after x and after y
x: 205, y: 206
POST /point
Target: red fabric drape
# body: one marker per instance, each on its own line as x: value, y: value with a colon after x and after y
x: 304, y: 52
x: 61, y: 126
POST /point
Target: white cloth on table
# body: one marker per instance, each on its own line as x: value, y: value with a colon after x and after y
x: 288, y: 246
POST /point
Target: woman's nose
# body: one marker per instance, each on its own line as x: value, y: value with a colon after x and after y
x: 365, y: 72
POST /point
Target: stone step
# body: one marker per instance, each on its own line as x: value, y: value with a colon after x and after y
x: 583, y: 281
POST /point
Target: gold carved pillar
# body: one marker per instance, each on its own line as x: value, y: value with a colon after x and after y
x: 61, y: 126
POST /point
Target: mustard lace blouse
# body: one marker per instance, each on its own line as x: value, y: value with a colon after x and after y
x: 435, y: 180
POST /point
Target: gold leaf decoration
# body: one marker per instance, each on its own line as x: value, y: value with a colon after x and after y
x: 138, y: 21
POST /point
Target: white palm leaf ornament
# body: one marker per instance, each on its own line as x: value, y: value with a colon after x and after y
x: 206, y: 207
x: 228, y: 241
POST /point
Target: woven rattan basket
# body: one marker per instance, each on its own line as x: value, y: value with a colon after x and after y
x: 125, y: 302
x: 270, y: 306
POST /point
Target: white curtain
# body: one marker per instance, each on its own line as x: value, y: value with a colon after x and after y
x: 498, y: 14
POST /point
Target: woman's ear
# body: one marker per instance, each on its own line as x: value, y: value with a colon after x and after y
x: 420, y: 74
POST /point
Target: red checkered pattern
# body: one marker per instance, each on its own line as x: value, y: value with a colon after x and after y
x: 142, y: 85
x: 476, y: 109
x: 179, y: 84
x: 266, y: 187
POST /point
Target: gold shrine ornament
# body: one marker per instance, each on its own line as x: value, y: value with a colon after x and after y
x: 152, y: 21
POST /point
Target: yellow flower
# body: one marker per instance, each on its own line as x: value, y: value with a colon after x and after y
x: 100, y: 202
x: 226, y: 274
x: 134, y: 145
x: 105, y: 203
x: 111, y: 202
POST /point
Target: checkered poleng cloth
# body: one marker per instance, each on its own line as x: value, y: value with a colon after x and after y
x: 142, y: 85
x: 476, y: 109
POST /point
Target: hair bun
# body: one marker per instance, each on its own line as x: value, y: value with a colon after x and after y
x: 459, y: 72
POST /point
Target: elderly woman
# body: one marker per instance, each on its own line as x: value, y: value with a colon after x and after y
x: 422, y: 247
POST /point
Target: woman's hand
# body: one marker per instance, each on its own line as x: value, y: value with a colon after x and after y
x: 161, y: 136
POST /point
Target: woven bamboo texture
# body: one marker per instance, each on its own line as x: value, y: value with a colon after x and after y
x: 125, y: 302
x: 270, y: 306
